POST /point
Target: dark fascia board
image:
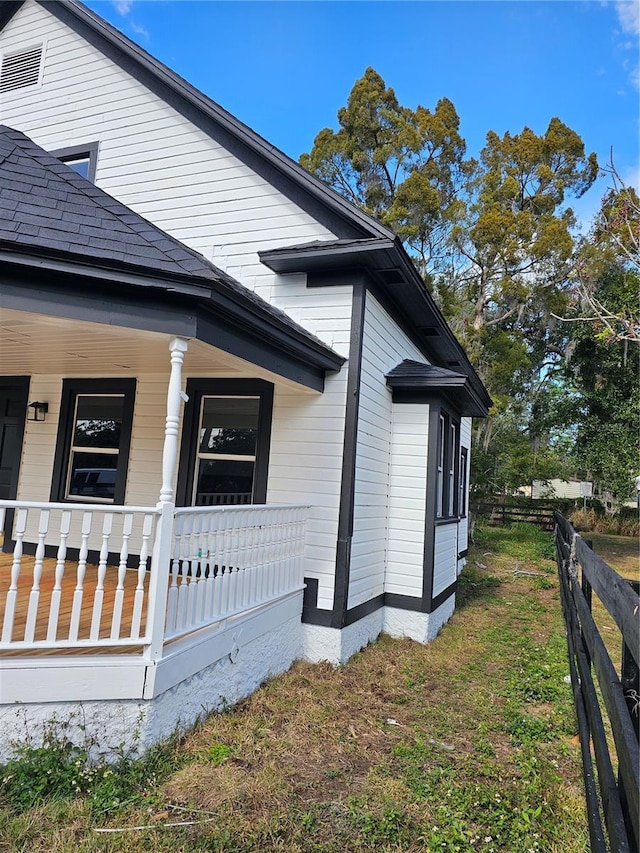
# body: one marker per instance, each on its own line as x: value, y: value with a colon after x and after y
x: 7, y: 10
x: 293, y: 353
x: 411, y: 301
x: 300, y: 186
x: 462, y: 400
x: 333, y: 255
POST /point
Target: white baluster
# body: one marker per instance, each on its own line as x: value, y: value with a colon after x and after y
x: 12, y: 594
x: 138, y: 601
x: 183, y: 589
x: 172, y: 595
x: 56, y: 594
x: 98, y: 595
x: 196, y: 550
x: 34, y: 595
x: 118, y: 600
x: 76, y: 607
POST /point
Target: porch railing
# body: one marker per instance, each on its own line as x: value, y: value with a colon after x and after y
x: 89, y: 549
x: 94, y: 576
x: 229, y: 559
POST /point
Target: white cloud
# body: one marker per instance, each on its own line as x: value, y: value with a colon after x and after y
x: 629, y: 16
x: 138, y: 29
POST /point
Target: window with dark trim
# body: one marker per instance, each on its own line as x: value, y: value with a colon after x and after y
x: 83, y: 159
x: 462, y: 481
x: 94, y: 436
x: 448, y: 468
x: 224, y: 457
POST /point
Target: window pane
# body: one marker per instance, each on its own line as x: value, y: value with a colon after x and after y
x: 98, y: 422
x: 80, y: 166
x: 229, y: 425
x: 93, y: 475
x: 224, y: 481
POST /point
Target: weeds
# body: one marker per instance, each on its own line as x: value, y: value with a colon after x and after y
x: 465, y: 744
x: 60, y: 770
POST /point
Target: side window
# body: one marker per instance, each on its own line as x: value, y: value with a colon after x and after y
x: 83, y: 159
x: 224, y: 456
x: 442, y: 448
x: 462, y: 483
x: 94, y: 434
x: 448, y: 468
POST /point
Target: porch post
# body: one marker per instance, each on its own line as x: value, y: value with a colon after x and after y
x: 177, y: 347
x: 161, y: 557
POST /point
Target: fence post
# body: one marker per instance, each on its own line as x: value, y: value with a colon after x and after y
x: 630, y: 680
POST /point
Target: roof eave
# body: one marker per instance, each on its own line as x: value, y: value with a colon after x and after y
x: 211, y: 296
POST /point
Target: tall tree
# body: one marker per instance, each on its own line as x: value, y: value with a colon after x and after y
x: 493, y: 237
x: 604, y: 407
x: 402, y: 166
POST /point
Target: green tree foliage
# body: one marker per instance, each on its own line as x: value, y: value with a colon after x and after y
x: 402, y: 166
x: 494, y: 240
x: 605, y: 407
x: 610, y: 302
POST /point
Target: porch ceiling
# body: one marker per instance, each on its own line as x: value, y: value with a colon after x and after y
x: 32, y: 344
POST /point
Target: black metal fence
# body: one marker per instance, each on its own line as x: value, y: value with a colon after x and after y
x: 607, y: 698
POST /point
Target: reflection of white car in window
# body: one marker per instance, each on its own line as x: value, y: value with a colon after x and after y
x: 93, y: 482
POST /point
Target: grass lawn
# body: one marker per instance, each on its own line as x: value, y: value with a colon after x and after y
x: 467, y: 744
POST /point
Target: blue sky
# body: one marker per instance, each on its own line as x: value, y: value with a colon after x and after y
x: 285, y: 68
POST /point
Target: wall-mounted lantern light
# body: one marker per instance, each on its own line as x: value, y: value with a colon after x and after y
x: 38, y: 411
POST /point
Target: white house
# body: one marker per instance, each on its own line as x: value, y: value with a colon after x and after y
x: 234, y: 426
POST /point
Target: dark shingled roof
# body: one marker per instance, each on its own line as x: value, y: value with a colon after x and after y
x: 416, y: 374
x: 48, y: 210
x: 413, y: 381
x: 45, y: 205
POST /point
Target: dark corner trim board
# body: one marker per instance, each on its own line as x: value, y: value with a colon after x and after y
x: 430, y: 506
x: 347, y: 487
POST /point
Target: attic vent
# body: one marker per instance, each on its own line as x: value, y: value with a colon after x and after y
x: 20, y: 69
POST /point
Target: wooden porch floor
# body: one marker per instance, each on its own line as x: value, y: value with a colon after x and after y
x: 25, y: 583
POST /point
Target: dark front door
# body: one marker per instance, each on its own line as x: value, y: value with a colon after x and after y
x: 13, y: 408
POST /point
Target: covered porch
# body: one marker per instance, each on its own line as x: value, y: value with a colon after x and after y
x: 164, y: 579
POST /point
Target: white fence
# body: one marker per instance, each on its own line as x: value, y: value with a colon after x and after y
x: 214, y: 563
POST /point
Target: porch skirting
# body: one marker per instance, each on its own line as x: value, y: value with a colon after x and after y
x: 249, y: 655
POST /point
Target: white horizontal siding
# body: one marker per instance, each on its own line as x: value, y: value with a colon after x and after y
x: 161, y: 165
x: 144, y: 476
x: 305, y: 466
x: 384, y: 346
x: 407, y: 499
x: 445, y: 557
